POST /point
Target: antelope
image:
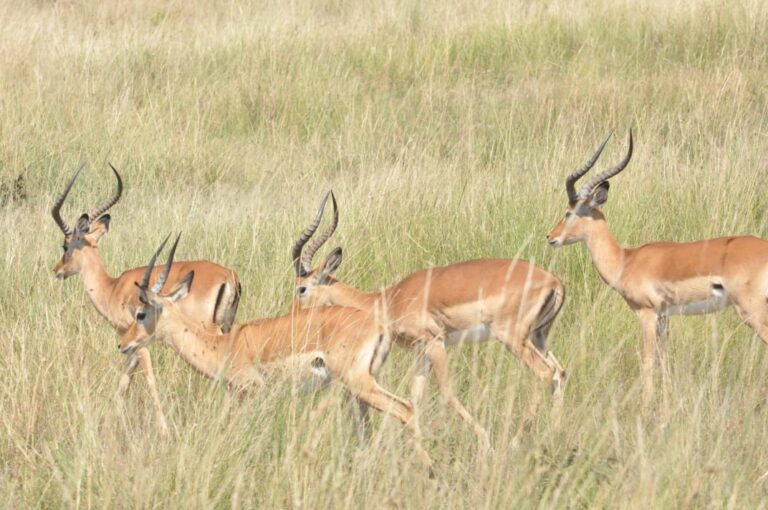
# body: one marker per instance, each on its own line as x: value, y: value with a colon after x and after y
x: 665, y: 278
x: 509, y: 300
x: 341, y: 343
x: 213, y: 304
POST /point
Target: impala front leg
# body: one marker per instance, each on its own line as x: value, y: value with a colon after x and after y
x: 146, y: 364
x: 125, y: 378
x: 649, y: 322
x: 420, y: 380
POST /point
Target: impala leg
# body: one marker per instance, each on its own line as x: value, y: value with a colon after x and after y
x: 146, y: 364
x: 649, y: 322
x: 420, y: 380
x: 125, y: 378
x: 554, y: 371
x: 546, y: 368
x: 438, y: 358
x: 753, y: 313
x: 362, y: 421
x: 380, y: 399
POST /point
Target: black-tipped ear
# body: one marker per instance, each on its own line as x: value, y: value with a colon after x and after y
x: 83, y: 225
x: 100, y: 227
x: 600, y: 195
x: 332, y: 262
x: 104, y: 221
x: 182, y: 288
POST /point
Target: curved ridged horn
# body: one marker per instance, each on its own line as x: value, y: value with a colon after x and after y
x: 305, y: 236
x: 570, y: 181
x: 104, y: 206
x: 604, y: 176
x: 158, y: 286
x: 145, y: 281
x: 56, y: 209
x: 317, y: 243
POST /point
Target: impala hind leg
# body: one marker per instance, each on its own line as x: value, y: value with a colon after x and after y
x: 438, y: 359
x: 146, y: 364
x: 753, y: 311
x: 371, y: 394
x: 549, y: 375
x: 363, y: 422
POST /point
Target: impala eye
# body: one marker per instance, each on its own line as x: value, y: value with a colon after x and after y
x: 301, y: 290
x: 140, y: 316
x: 64, y: 247
x: 568, y: 214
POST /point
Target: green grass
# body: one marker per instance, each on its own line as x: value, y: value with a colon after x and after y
x: 446, y: 130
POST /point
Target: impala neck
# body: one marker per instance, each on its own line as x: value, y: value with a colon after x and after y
x: 99, y: 285
x: 606, y: 253
x: 205, y: 352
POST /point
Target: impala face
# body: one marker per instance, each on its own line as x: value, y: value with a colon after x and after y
x: 313, y: 286
x: 80, y: 246
x: 585, y: 206
x: 142, y: 331
x: 313, y: 289
x: 579, y: 218
x: 81, y: 243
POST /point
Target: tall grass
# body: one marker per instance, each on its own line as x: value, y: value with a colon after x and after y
x: 445, y: 129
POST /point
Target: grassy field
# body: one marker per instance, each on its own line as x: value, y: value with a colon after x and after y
x: 446, y: 130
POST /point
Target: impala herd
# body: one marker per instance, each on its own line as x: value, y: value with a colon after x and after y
x: 335, y: 331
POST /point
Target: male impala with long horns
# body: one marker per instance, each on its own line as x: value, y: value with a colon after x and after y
x: 664, y: 278
x: 342, y: 343
x: 212, y: 304
x: 509, y: 300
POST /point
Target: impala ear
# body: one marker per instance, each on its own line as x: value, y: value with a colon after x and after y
x: 600, y: 196
x: 331, y: 264
x: 99, y: 228
x: 182, y: 288
x: 82, y: 227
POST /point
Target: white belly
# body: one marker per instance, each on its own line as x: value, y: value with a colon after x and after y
x: 716, y: 303
x: 475, y: 334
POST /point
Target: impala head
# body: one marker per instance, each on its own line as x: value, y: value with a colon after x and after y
x: 153, y: 303
x: 311, y: 284
x: 82, y: 241
x: 585, y: 206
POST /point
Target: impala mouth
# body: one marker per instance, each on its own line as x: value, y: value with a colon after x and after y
x: 555, y: 243
x: 62, y: 274
x: 128, y: 350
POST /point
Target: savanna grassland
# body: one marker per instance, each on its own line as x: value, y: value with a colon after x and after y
x: 446, y: 130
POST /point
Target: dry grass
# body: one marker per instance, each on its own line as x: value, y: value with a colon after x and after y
x: 445, y: 129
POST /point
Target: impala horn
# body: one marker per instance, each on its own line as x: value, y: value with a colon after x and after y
x: 158, y: 286
x: 320, y: 241
x: 570, y: 181
x: 104, y: 206
x: 306, y: 236
x: 604, y: 176
x: 148, y: 271
x: 56, y: 209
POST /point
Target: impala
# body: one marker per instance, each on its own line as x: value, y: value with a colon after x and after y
x: 213, y: 303
x: 509, y: 300
x: 343, y: 343
x: 663, y: 278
